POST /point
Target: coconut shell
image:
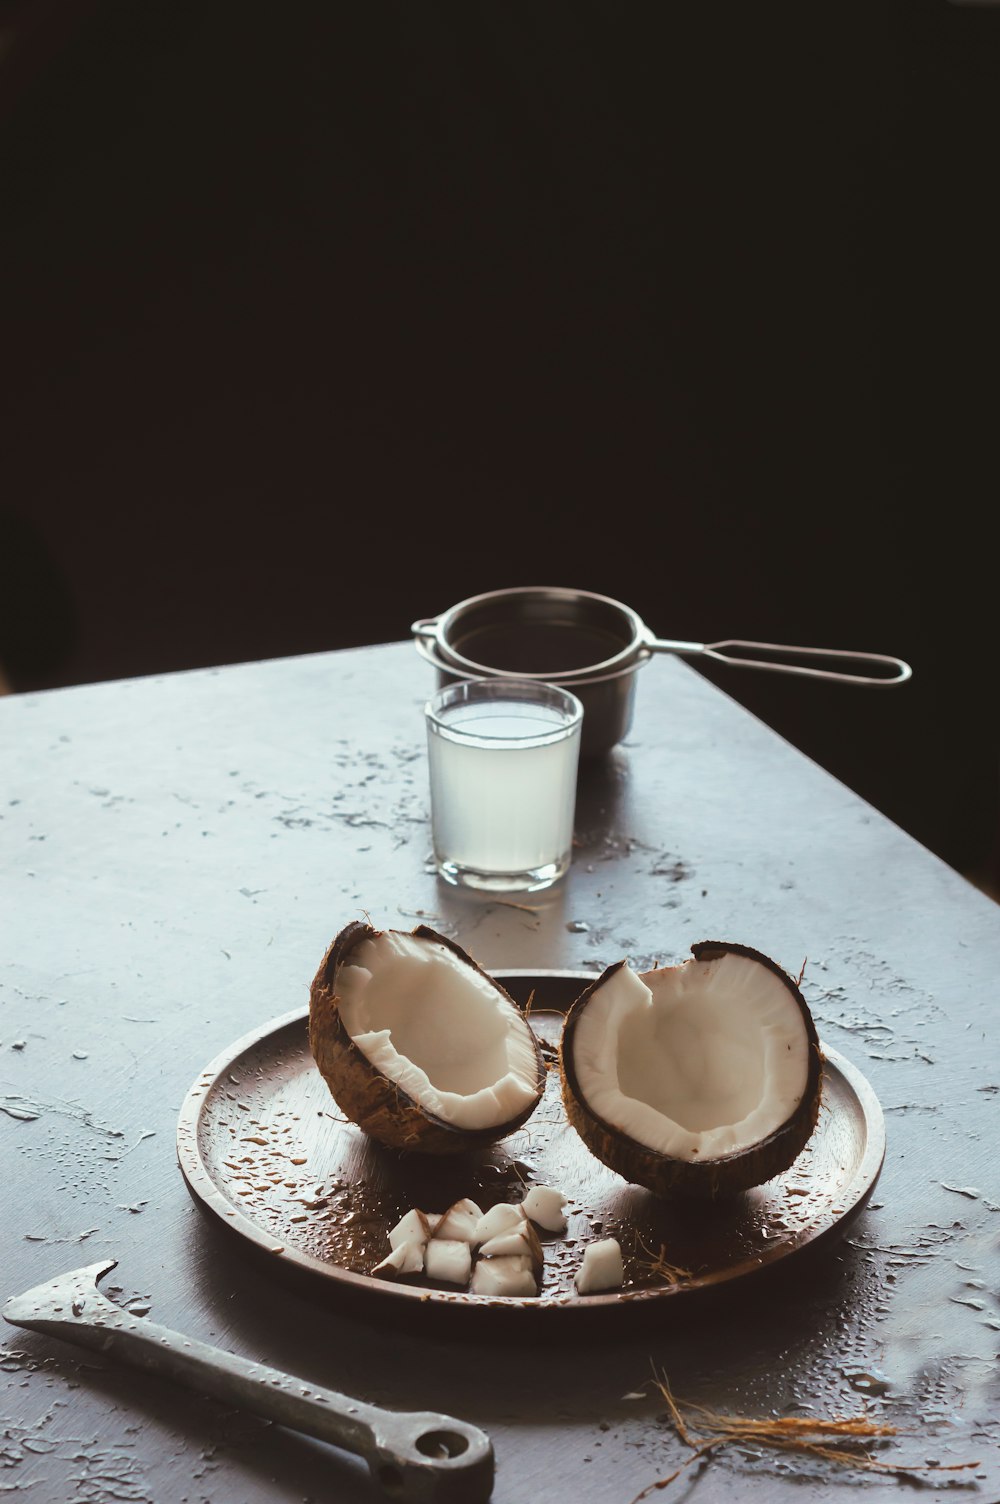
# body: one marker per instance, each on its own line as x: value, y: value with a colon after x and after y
x: 368, y: 1097
x: 706, y: 1179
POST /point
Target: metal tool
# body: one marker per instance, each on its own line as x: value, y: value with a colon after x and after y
x: 416, y: 1455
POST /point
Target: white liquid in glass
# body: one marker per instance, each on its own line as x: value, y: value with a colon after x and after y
x: 502, y: 799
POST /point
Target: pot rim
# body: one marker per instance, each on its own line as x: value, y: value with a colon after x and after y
x: 427, y: 651
x: 626, y: 660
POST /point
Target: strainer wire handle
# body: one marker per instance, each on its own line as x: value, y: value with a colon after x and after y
x: 776, y: 656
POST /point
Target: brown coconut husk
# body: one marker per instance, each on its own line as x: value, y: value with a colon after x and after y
x: 706, y: 1179
x: 362, y: 1092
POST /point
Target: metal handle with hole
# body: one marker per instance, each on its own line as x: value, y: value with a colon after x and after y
x: 418, y: 1456
x: 777, y: 658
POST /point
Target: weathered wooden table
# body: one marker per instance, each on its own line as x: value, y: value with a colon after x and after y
x: 175, y: 855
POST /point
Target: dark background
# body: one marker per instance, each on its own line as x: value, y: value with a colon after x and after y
x: 318, y: 318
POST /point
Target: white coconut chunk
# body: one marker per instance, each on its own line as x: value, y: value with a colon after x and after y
x: 405, y: 1258
x: 695, y: 1061
x: 459, y: 1221
x: 516, y: 1242
x: 510, y: 1275
x: 602, y: 1267
x: 414, y: 1227
x: 499, y: 1218
x: 440, y: 1029
x: 448, y: 1260
x: 544, y: 1206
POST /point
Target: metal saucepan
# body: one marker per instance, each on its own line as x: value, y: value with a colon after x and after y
x: 593, y: 646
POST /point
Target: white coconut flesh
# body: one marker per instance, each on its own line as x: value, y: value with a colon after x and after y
x: 508, y: 1260
x: 510, y: 1275
x: 517, y: 1242
x: 696, y: 1061
x: 439, y: 1029
x: 406, y: 1258
x: 459, y: 1221
x: 602, y: 1268
x: 448, y: 1260
x: 504, y: 1217
x: 416, y: 1227
x: 544, y: 1205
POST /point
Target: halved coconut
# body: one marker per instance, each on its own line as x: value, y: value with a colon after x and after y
x: 702, y: 1079
x: 418, y: 1045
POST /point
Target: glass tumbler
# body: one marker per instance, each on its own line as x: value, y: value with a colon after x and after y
x: 503, y: 757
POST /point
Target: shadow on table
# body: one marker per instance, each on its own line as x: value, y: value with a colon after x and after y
x: 601, y: 797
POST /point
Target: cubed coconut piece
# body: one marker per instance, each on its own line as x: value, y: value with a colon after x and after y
x: 519, y: 1241
x: 448, y: 1260
x: 413, y: 1228
x: 405, y: 1258
x: 499, y: 1218
x: 544, y: 1205
x: 602, y: 1267
x: 515, y: 1241
x: 510, y: 1275
x: 459, y: 1221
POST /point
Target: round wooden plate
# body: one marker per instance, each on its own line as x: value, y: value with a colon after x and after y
x: 264, y: 1150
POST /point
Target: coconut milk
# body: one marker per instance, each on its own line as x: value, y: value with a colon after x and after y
x: 503, y: 786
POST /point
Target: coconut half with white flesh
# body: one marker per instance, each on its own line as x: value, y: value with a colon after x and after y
x: 701, y: 1079
x: 419, y: 1046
